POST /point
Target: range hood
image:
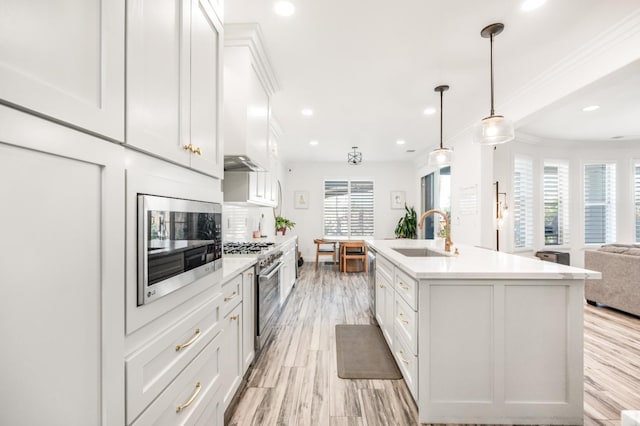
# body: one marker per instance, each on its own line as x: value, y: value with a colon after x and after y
x: 240, y: 163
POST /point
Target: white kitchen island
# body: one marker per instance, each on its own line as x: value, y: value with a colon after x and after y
x: 483, y: 337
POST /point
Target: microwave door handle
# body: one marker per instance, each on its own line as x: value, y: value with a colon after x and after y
x: 272, y: 273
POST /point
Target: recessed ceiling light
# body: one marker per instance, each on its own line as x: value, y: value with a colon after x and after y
x: 400, y: 142
x: 284, y: 8
x: 590, y: 108
x: 529, y: 5
x: 429, y: 111
x: 411, y: 150
x: 313, y: 143
x: 307, y: 111
x: 617, y: 137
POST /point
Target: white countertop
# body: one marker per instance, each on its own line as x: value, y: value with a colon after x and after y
x: 474, y: 263
x: 234, y: 265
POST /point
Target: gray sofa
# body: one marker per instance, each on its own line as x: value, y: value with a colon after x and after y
x: 619, y: 287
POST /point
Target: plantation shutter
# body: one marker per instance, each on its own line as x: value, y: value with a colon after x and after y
x: 348, y: 208
x: 523, y: 202
x: 361, y: 208
x: 599, y: 203
x: 556, y: 203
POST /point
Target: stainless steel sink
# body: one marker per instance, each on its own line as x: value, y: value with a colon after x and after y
x: 419, y: 252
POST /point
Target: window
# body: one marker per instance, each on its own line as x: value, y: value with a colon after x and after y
x: 636, y: 190
x: 556, y: 203
x: 523, y: 202
x: 599, y: 203
x: 348, y: 208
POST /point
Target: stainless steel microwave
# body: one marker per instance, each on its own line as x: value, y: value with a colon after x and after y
x: 179, y: 241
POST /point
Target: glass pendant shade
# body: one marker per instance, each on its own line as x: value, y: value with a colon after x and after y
x: 493, y: 130
x: 440, y: 157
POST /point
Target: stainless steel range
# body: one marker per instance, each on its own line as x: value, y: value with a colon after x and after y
x: 267, y: 285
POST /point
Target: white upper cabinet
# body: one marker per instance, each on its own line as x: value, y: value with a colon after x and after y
x: 64, y: 60
x: 249, y: 83
x: 174, y: 71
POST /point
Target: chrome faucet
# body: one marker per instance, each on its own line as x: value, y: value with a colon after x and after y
x: 447, y: 227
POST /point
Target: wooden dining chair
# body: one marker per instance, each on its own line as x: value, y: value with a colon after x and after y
x: 353, y: 250
x: 325, y: 248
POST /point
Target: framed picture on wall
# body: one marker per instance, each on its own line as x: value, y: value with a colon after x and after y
x: 301, y: 199
x: 398, y: 199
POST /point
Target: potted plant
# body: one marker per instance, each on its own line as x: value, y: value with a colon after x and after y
x: 408, y: 224
x: 282, y: 224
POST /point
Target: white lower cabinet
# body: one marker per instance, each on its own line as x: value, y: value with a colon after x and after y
x: 231, y: 354
x: 288, y: 270
x: 248, y: 324
x: 189, y: 397
x: 408, y: 363
x: 152, y: 368
x: 385, y: 298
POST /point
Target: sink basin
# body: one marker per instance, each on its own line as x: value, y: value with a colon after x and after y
x: 419, y: 252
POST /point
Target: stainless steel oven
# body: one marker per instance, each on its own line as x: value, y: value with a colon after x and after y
x: 179, y: 241
x: 267, y: 307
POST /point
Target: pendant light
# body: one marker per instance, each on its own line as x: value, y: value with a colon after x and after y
x: 440, y: 156
x: 354, y: 158
x: 494, y: 129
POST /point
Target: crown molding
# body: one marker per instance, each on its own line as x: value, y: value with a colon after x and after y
x: 250, y: 36
x: 621, y: 40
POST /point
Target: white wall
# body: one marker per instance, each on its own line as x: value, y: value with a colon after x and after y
x: 310, y: 176
x: 623, y: 154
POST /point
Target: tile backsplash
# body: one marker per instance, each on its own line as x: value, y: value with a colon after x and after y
x: 239, y: 222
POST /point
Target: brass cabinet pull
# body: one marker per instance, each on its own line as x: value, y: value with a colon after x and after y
x: 190, y: 401
x: 403, y: 285
x: 382, y: 286
x: 402, y: 358
x: 188, y: 147
x: 402, y: 318
x: 234, y: 294
x: 233, y: 317
x: 197, y: 151
x: 193, y: 339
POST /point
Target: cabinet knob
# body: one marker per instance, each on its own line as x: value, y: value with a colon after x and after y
x: 233, y: 317
x: 188, y: 147
x: 196, y: 151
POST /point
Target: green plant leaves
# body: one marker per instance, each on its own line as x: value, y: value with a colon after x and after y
x: 408, y: 224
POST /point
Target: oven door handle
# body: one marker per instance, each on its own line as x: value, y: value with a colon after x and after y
x: 272, y: 273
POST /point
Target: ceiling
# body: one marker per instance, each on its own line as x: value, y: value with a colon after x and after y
x: 367, y: 69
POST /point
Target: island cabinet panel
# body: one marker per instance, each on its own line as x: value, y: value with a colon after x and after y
x: 248, y: 323
x: 459, y: 343
x: 64, y: 60
x: 535, y: 361
x: 504, y: 351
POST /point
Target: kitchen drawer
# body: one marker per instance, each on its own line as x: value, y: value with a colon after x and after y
x: 153, y: 367
x: 408, y: 364
x: 407, y: 287
x: 406, y: 324
x: 384, y: 267
x: 188, y: 398
x: 231, y: 294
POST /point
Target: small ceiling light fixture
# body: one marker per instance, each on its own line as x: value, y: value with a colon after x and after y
x: 354, y: 158
x: 591, y: 108
x: 307, y: 111
x: 494, y: 129
x: 429, y: 111
x: 313, y: 143
x: 529, y: 5
x: 400, y: 142
x: 284, y: 8
x: 440, y: 156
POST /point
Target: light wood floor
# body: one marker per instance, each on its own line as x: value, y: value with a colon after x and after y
x: 294, y: 381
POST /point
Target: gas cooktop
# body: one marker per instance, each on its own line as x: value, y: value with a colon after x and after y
x: 233, y: 247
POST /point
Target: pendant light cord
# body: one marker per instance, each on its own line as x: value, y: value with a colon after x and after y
x: 441, y: 94
x: 491, y: 55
